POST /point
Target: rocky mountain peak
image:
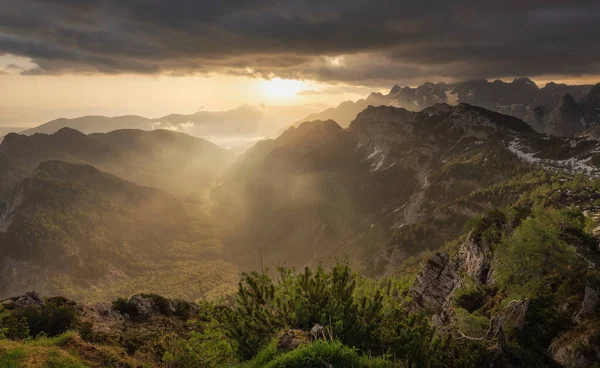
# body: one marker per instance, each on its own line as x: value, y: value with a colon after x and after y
x: 376, y: 120
x: 12, y: 139
x: 345, y: 104
x: 441, y: 108
x: 524, y: 81
x: 319, y: 125
x: 568, y: 102
x: 552, y: 86
x: 475, y: 116
x: 67, y: 132
x: 593, y: 96
x: 318, y: 130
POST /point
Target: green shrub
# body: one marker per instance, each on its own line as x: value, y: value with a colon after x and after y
x: 471, y: 298
x: 372, y: 322
x: 163, y: 305
x: 208, y: 349
x: 471, y: 324
x: 183, y: 309
x: 316, y: 355
x: 120, y: 305
x: 300, y: 301
x: 86, y: 332
x: 536, y: 256
x: 52, y: 318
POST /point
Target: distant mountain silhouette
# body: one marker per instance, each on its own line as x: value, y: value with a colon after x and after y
x: 160, y: 158
x: 522, y: 98
x: 244, y: 121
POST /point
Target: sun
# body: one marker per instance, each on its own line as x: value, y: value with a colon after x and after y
x: 277, y: 88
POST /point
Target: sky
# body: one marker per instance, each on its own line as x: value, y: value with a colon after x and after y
x: 149, y: 57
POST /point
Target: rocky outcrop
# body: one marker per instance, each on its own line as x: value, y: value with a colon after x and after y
x: 576, y: 348
x: 475, y: 260
x: 30, y: 298
x: 435, y: 283
x: 442, y: 275
x: 580, y: 347
x: 140, y: 307
x: 590, y: 306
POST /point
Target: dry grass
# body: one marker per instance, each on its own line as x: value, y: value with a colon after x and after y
x: 68, y: 350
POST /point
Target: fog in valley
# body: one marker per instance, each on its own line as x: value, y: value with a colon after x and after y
x: 262, y: 184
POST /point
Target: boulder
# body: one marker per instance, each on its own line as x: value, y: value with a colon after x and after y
x: 140, y: 307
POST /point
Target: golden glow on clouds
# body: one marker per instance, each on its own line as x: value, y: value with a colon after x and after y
x: 277, y: 88
x: 32, y: 100
x: 12, y: 64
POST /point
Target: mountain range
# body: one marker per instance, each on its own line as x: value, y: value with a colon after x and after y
x: 159, y: 158
x: 555, y: 109
x: 467, y: 216
x: 237, y: 127
x: 391, y: 185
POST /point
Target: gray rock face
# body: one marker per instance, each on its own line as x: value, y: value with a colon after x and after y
x: 590, y: 305
x: 442, y: 275
x: 565, y: 119
x: 435, y: 283
x: 475, y: 260
x: 590, y: 107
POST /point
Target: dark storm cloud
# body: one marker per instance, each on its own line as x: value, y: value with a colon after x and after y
x: 351, y: 41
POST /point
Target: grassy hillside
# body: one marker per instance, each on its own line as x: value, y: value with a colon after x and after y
x: 87, y: 232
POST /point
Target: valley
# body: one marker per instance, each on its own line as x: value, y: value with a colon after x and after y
x: 460, y: 222
x: 299, y: 184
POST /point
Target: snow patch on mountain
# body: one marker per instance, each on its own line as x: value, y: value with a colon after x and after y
x: 572, y: 164
x: 376, y: 152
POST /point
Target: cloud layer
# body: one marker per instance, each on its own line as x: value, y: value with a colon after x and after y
x: 350, y: 41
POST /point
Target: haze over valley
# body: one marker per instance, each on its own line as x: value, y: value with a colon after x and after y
x: 299, y: 184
